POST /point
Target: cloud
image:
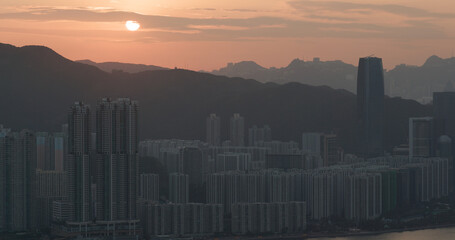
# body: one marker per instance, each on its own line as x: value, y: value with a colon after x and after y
x: 168, y: 28
x: 241, y: 10
x: 332, y: 18
x: 204, y: 9
x: 365, y: 8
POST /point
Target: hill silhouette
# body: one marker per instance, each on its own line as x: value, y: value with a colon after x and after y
x: 125, y: 67
x: 37, y: 86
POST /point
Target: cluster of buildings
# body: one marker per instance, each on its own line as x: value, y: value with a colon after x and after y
x: 182, y: 219
x: 263, y: 218
x: 357, y: 191
x: 78, y: 182
x: 93, y: 179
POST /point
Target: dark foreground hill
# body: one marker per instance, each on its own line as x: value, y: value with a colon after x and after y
x: 37, y: 86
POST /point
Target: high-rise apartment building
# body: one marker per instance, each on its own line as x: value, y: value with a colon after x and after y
x: 330, y: 150
x: 444, y: 116
x: 213, y: 130
x: 370, y: 107
x: 421, y: 136
x: 116, y: 159
x: 237, y: 130
x: 78, y: 162
x: 43, y: 151
x: 321, y: 145
x: 311, y: 144
x: 18, y: 181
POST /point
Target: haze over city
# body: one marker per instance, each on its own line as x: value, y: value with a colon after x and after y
x: 274, y: 119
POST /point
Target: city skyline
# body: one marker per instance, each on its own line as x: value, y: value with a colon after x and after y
x: 267, y: 187
x: 334, y: 144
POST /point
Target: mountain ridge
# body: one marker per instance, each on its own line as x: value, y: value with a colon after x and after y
x: 118, y: 66
x: 406, y: 81
x: 36, y: 93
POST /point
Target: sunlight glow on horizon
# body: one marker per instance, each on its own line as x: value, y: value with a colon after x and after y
x: 206, y: 35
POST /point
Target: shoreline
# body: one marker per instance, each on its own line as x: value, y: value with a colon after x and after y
x: 353, y: 234
x: 340, y: 234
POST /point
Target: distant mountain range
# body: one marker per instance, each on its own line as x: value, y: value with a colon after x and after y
x: 37, y: 86
x: 419, y: 82
x: 335, y: 74
x: 406, y: 81
x: 125, y: 67
x: 410, y: 82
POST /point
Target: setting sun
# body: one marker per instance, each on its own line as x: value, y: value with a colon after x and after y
x: 132, y: 25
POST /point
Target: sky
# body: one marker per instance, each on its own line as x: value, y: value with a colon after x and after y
x: 207, y: 34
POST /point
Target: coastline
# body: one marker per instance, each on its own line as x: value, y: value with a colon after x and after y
x: 353, y: 234
x: 341, y: 234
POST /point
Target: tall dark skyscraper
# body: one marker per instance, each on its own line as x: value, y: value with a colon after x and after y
x: 78, y: 162
x: 370, y: 107
x: 117, y: 147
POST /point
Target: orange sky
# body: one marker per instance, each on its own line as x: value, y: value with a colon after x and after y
x: 206, y: 34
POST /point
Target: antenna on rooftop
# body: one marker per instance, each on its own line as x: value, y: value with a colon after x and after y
x: 372, y: 55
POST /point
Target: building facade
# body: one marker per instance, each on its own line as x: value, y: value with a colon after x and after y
x: 116, y: 159
x: 213, y: 125
x: 370, y: 107
x: 237, y: 130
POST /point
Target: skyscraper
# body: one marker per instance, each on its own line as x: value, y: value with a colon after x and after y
x: 60, y: 150
x: 213, y: 130
x: 370, y: 107
x: 330, y: 150
x: 444, y: 116
x: 17, y: 181
x: 421, y: 137
x: 192, y: 161
x: 43, y: 151
x: 321, y: 145
x: 78, y: 162
x: 117, y: 147
x: 237, y: 130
